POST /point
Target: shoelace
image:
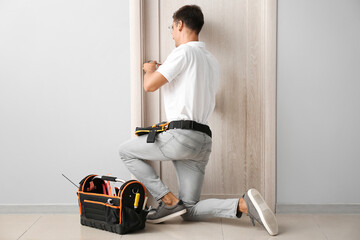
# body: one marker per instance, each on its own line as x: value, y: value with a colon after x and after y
x: 156, y: 209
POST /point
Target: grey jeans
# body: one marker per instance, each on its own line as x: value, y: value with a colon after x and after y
x: 189, y: 151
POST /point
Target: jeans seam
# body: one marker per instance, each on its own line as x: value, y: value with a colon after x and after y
x: 172, y: 138
x: 188, y: 135
x: 204, y: 144
x: 185, y: 145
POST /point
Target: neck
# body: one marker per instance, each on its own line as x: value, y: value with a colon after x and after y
x: 189, y: 38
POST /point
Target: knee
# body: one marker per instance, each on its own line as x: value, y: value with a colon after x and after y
x: 122, y: 150
x: 189, y: 215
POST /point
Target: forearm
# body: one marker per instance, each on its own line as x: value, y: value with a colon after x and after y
x: 152, y: 79
x: 147, y: 82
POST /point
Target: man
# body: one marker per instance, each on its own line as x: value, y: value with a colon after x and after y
x: 189, y: 78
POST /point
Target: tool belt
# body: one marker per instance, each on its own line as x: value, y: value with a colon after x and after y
x: 163, y: 126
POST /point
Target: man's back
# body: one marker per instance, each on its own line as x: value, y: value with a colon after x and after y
x: 193, y: 75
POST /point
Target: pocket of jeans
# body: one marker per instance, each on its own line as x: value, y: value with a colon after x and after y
x: 180, y: 146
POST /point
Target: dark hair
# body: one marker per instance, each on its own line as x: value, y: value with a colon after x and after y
x: 191, y: 16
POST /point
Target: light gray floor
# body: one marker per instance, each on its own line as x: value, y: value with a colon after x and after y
x: 68, y: 227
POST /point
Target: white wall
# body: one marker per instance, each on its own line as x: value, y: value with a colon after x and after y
x: 318, y: 102
x: 64, y: 96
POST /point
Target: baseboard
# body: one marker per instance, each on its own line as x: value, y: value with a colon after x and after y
x: 39, y: 209
x: 318, y: 208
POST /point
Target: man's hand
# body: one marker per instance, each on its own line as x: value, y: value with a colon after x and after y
x: 153, y: 80
x: 150, y: 66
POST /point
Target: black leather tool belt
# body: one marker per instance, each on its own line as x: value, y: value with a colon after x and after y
x: 163, y: 126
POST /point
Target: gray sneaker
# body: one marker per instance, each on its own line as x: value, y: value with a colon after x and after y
x: 258, y: 209
x: 163, y: 212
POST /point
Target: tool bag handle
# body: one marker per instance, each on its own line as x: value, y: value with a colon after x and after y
x: 110, y: 178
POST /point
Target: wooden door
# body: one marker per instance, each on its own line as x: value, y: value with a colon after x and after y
x: 241, y: 34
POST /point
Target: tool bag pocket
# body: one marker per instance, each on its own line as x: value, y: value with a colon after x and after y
x: 152, y: 131
x: 122, y: 212
x: 112, y: 215
x: 133, y: 220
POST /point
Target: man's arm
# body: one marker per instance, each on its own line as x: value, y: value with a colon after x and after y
x: 152, y: 80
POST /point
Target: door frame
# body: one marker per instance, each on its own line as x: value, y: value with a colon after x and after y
x: 268, y: 77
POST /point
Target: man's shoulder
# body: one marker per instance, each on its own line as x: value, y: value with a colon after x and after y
x: 183, y: 48
x: 179, y: 51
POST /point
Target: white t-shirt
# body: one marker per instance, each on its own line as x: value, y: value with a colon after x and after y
x: 193, y: 74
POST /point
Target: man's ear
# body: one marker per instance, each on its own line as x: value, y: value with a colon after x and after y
x: 180, y: 25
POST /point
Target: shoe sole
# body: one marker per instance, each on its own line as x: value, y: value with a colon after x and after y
x: 168, y: 217
x: 266, y: 215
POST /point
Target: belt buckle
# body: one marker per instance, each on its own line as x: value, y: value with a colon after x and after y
x: 164, y: 126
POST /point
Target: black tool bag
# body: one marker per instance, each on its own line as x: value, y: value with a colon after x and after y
x: 121, y: 212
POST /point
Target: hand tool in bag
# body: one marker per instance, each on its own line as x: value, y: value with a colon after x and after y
x: 69, y: 180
